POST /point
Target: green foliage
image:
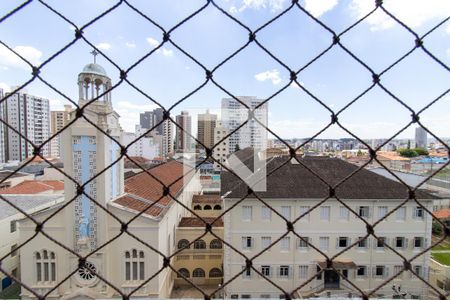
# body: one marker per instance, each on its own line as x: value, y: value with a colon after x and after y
x: 421, y: 151
x: 237, y: 148
x: 436, y: 228
x: 408, y: 153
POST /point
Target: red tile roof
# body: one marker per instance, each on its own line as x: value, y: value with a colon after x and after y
x: 211, y: 199
x: 142, y: 189
x: 34, y: 187
x: 196, y: 222
x: 442, y: 214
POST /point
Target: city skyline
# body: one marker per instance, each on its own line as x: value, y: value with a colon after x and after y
x: 376, y: 115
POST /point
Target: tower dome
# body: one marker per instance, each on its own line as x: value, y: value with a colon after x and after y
x: 94, y: 69
x: 94, y: 83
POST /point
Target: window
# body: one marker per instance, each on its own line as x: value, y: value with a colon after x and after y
x: 265, y: 213
x: 199, y: 244
x: 303, y: 272
x: 418, y: 242
x: 343, y: 213
x: 397, y: 269
x: 207, y: 207
x: 285, y: 243
x: 379, y: 271
x: 215, y: 273
x: 325, y: 213
x: 362, y: 243
x: 400, y: 214
x: 382, y: 211
x: 418, y: 270
x: 183, y: 244
x: 247, y: 272
x: 361, y: 271
x: 134, y: 265
x: 265, y: 270
x: 400, y: 242
x: 247, y: 242
x: 265, y: 241
x: 418, y: 213
x: 246, y: 296
x: 265, y: 296
x: 303, y: 244
x: 286, y: 212
x: 184, y: 272
x: 380, y: 242
x: 197, y: 207
x: 198, y: 273
x: 13, y: 250
x: 363, y: 211
x: 342, y: 242
x: 284, y: 271
x: 13, y: 226
x: 215, y: 244
x: 217, y: 207
x: 45, y: 266
x: 303, y: 210
x: 246, y: 213
x: 324, y: 243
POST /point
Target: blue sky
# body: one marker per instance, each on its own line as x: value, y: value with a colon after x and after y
x: 210, y: 37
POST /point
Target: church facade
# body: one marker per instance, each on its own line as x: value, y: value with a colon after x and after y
x: 116, y: 261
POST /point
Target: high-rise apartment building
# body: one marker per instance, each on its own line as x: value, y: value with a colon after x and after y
x: 205, y: 129
x: 421, y: 138
x: 183, y: 140
x: 221, y: 151
x: 2, y: 130
x: 149, y: 119
x: 30, y: 116
x: 167, y: 138
x: 58, y: 119
x: 252, y: 134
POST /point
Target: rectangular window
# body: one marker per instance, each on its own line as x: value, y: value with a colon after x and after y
x: 342, y: 242
x: 135, y: 270
x: 265, y: 242
x: 400, y: 214
x: 46, y: 271
x: 13, y: 250
x: 418, y: 270
x: 303, y: 244
x: 247, y: 242
x: 53, y: 271
x: 13, y: 226
x: 397, y: 269
x: 38, y: 272
x: 343, y: 213
x: 325, y: 213
x: 285, y: 243
x: 265, y: 213
x: 284, y: 271
x: 418, y: 242
x: 247, y: 272
x: 303, y: 271
x: 324, y: 243
x: 362, y: 243
x: 399, y: 242
x: 286, y: 212
x: 141, y: 271
x: 379, y: 271
x: 265, y: 270
x: 418, y: 212
x: 361, y: 271
x: 363, y: 211
x: 380, y: 242
x: 303, y: 210
x: 127, y: 271
x: 382, y: 211
x: 319, y: 274
x: 246, y: 213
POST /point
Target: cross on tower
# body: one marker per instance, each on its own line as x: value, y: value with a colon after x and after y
x: 94, y: 53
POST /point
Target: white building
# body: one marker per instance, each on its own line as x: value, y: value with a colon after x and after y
x: 146, y: 146
x: 251, y: 134
x: 29, y: 115
x: 58, y: 119
x: 221, y: 151
x: 3, y: 136
x: 421, y: 138
x: 330, y: 227
x: 183, y: 139
x: 86, y: 228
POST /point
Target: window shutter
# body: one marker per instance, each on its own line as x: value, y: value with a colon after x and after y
x: 369, y: 212
x: 425, y: 243
x: 270, y: 271
x: 244, y: 241
x: 278, y: 272
x: 252, y: 243
x: 290, y: 272
x: 386, y: 241
x: 337, y: 242
x: 368, y: 241
x: 374, y: 269
x: 375, y: 243
x: 413, y: 212
x: 405, y: 243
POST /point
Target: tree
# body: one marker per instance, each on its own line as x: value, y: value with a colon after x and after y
x: 408, y: 153
x: 409, y: 145
x: 421, y: 151
x: 359, y: 153
x: 237, y: 148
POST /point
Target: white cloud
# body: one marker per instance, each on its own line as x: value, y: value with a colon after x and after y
x: 129, y: 113
x: 167, y: 52
x: 9, y: 59
x: 295, y: 85
x: 319, y: 7
x: 272, y: 75
x: 103, y: 46
x: 6, y: 88
x: 130, y: 45
x: 413, y: 13
x: 154, y: 43
x: 233, y: 10
x: 55, y: 104
x: 274, y: 5
x: 72, y: 28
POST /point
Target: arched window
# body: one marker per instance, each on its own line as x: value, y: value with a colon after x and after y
x: 215, y: 244
x: 134, y: 265
x: 198, y: 273
x: 197, y: 207
x: 215, y: 272
x: 217, y: 207
x: 45, y: 266
x: 183, y: 272
x: 199, y: 244
x: 183, y: 244
x: 207, y: 207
